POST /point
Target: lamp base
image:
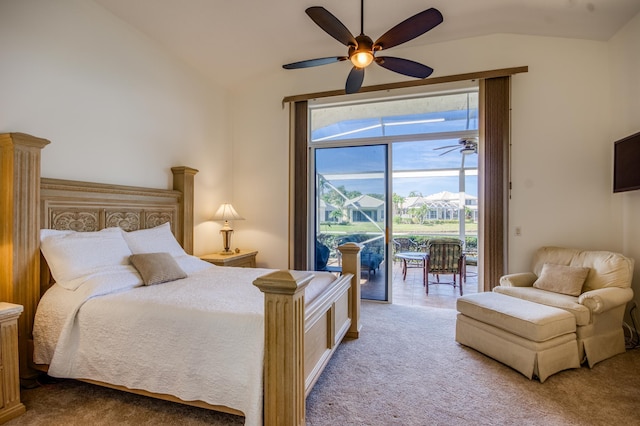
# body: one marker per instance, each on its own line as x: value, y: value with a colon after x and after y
x: 226, y: 232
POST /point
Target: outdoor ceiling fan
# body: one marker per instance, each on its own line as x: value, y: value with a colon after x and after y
x: 465, y: 146
x: 362, y: 49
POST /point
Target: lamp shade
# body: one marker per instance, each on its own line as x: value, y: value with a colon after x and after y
x: 227, y: 212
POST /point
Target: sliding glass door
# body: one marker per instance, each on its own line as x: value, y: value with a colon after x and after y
x: 350, y: 205
x: 389, y: 171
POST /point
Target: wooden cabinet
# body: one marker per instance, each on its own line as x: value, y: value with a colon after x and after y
x: 9, y: 374
x: 243, y: 259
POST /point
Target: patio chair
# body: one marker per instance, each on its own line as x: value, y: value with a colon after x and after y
x: 445, y: 256
x: 370, y: 256
x: 401, y: 244
x: 322, y: 256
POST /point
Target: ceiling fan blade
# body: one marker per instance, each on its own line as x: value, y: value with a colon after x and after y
x: 331, y: 25
x: 355, y: 79
x: 404, y: 66
x: 446, y: 152
x: 314, y: 62
x: 445, y: 147
x: 410, y: 28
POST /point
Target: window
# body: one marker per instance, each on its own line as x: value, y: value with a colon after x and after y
x: 434, y: 171
x: 395, y: 118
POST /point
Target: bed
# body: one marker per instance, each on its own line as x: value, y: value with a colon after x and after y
x: 300, y: 331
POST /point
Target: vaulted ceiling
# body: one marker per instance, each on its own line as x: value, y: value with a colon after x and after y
x: 235, y: 40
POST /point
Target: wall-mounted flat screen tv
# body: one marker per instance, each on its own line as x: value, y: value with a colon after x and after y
x: 626, y: 164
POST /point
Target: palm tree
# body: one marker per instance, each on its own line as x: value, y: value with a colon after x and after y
x: 397, y: 200
x: 420, y: 213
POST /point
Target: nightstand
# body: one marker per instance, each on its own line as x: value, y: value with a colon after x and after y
x: 9, y: 374
x: 243, y: 259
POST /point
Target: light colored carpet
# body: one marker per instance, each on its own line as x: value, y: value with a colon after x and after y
x: 406, y: 369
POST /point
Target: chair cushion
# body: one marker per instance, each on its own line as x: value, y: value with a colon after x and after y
x: 548, y: 298
x: 370, y: 260
x: 530, y: 320
x: 444, y: 255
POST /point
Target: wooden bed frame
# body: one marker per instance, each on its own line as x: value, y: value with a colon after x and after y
x: 299, y: 338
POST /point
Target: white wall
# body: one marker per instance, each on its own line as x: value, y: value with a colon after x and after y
x: 560, y: 132
x: 625, y: 108
x: 261, y: 172
x: 115, y: 106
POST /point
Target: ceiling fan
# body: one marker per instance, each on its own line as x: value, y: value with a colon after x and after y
x: 362, y: 49
x: 465, y: 145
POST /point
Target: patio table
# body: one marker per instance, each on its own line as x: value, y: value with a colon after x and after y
x: 416, y: 258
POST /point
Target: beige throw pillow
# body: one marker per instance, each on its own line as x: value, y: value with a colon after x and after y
x: 156, y: 268
x: 562, y: 279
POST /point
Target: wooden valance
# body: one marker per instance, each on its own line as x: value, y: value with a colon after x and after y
x: 478, y: 75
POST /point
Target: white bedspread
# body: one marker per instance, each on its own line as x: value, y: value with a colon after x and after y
x: 200, y: 338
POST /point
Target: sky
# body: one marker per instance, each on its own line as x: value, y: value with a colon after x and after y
x: 425, y: 166
x: 413, y: 165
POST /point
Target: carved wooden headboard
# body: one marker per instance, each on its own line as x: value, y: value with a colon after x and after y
x: 29, y: 203
x: 85, y: 206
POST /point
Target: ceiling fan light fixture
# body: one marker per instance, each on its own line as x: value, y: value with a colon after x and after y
x: 361, y: 59
x: 362, y: 56
x: 470, y: 145
x: 468, y: 150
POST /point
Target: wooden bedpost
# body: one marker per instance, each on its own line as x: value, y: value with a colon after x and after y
x: 183, y: 181
x: 20, y: 231
x: 284, y: 376
x: 351, y: 264
x: 284, y: 347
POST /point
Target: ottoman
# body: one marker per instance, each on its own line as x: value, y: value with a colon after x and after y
x: 534, y: 339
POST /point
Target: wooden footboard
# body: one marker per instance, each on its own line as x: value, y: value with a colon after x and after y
x: 298, y: 344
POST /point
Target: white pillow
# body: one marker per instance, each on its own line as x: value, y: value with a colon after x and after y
x: 154, y: 240
x: 44, y: 233
x: 71, y: 254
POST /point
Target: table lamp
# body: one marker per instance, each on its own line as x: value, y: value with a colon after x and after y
x: 226, y: 212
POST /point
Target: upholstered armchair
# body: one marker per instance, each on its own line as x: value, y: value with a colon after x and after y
x: 594, y: 286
